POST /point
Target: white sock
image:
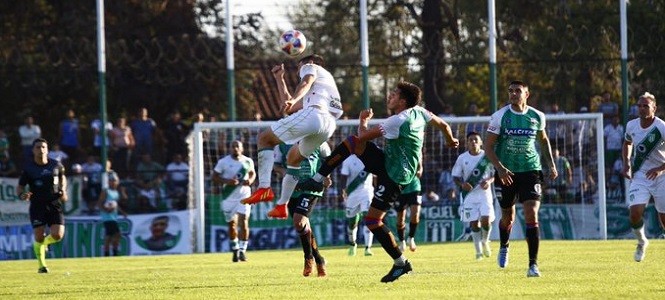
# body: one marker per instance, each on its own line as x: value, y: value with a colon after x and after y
x: 476, y: 241
x: 266, y: 160
x: 485, y: 234
x: 234, y: 244
x: 639, y: 234
x: 289, y: 183
x: 400, y: 261
x: 369, y: 237
x: 242, y: 245
x: 318, y: 177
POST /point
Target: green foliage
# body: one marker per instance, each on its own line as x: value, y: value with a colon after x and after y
x: 571, y: 269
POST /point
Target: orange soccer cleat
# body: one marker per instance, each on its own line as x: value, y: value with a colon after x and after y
x: 321, y: 268
x: 309, y: 265
x: 279, y: 212
x: 260, y: 195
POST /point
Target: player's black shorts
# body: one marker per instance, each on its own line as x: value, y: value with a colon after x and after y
x: 526, y: 186
x: 386, y: 190
x: 303, y: 204
x: 111, y: 228
x: 407, y: 199
x: 49, y: 214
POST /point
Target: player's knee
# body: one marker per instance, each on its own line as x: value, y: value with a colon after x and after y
x: 56, y: 236
x: 372, y: 223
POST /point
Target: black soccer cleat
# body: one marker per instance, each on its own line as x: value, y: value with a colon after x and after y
x: 235, y: 255
x: 310, y: 185
x: 43, y: 270
x: 397, y: 271
x: 241, y: 256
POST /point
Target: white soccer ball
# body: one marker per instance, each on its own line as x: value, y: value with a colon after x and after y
x: 292, y: 42
x: 111, y: 204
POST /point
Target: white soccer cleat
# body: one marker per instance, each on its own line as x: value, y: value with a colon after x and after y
x: 533, y: 271
x: 487, y: 250
x: 479, y: 256
x: 641, y: 251
x: 412, y: 244
x: 402, y: 246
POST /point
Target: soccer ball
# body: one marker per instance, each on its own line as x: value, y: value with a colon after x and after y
x: 292, y: 42
x: 111, y: 204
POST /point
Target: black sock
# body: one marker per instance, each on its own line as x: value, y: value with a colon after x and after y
x: 533, y: 241
x: 387, y: 240
x: 401, y: 233
x: 338, y: 155
x: 315, y: 250
x: 504, y: 234
x: 306, y: 241
x: 412, y: 229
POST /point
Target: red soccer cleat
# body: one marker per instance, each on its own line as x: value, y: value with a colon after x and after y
x: 279, y: 212
x: 260, y: 195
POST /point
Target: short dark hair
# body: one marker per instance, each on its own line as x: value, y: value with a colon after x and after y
x: 39, y: 140
x: 317, y: 59
x: 472, y: 133
x: 410, y: 92
x: 518, y: 82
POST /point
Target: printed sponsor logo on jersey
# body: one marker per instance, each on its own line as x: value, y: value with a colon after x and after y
x: 520, y: 131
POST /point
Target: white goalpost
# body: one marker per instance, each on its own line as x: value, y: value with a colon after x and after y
x: 577, y: 212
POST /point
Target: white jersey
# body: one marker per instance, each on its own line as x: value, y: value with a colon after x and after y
x: 228, y: 168
x: 648, y: 145
x: 323, y: 92
x: 466, y: 166
x: 354, y: 168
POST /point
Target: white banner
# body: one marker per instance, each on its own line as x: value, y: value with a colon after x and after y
x: 165, y: 233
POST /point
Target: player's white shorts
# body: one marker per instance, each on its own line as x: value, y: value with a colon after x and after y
x: 473, y: 209
x: 358, y: 202
x: 309, y: 127
x: 641, y: 189
x: 232, y: 206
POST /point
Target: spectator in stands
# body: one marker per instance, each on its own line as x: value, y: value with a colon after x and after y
x: 556, y: 130
x: 177, y: 180
x: 96, y: 127
x: 149, y: 175
x: 613, y: 133
x: 608, y: 108
x: 7, y: 166
x: 122, y: 143
x: 144, y: 130
x: 559, y: 188
x: 92, y: 186
x: 56, y: 153
x: 472, y: 111
x: 28, y: 132
x: 447, y: 187
x: 69, y: 136
x: 4, y: 143
x: 176, y: 134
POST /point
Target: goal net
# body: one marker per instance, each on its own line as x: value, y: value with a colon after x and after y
x: 575, y: 208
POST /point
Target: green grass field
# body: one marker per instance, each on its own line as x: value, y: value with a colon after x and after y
x: 571, y: 269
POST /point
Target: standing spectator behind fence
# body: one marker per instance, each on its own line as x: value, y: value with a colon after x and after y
x: 29, y: 132
x: 122, y: 143
x: 4, y: 143
x: 608, y: 108
x: 7, y: 166
x: 148, y: 180
x: 69, y: 136
x: 556, y: 130
x: 177, y: 179
x: 176, y: 133
x: 92, y: 187
x: 97, y: 130
x: 57, y: 154
x: 613, y: 133
x: 143, y: 129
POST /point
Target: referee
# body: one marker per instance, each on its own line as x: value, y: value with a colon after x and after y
x: 47, y: 192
